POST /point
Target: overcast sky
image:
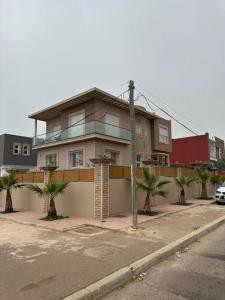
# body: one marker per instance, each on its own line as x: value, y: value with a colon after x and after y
x: 53, y: 49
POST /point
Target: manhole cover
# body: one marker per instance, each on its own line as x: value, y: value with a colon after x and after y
x: 88, y: 229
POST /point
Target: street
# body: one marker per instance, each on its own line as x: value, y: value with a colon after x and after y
x: 196, y: 273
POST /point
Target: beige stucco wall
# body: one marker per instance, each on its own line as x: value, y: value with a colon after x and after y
x: 143, y: 140
x: 120, y: 195
x: 124, y: 150
x: 77, y: 200
x: 63, y: 153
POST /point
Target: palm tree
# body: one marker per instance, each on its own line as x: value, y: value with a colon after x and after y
x: 152, y: 186
x: 50, y: 190
x: 215, y: 180
x: 222, y: 179
x: 181, y: 183
x: 203, y: 176
x: 8, y: 182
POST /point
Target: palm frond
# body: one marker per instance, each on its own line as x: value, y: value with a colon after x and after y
x: 202, y: 175
x: 60, y: 187
x: 178, y: 182
x: 9, y: 181
x: 215, y: 179
x: 160, y: 193
x: 36, y: 189
x: 1, y: 186
x: 162, y: 183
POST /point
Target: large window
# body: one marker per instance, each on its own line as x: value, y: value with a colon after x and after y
x: 114, y: 155
x: 163, y: 134
x: 112, y: 125
x: 76, y: 159
x: 76, y: 124
x: 51, y: 160
x: 138, y: 126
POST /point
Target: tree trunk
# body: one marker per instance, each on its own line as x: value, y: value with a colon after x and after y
x: 147, y: 205
x: 8, y: 202
x: 51, y: 209
x: 182, y: 197
x: 204, y: 191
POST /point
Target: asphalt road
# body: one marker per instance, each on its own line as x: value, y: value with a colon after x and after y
x: 42, y: 264
x: 198, y: 273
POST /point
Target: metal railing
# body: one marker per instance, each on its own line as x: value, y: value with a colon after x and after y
x: 83, y: 129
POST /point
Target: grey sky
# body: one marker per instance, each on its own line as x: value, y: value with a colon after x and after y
x: 53, y: 49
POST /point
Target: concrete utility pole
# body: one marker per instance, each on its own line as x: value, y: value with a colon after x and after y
x: 133, y: 154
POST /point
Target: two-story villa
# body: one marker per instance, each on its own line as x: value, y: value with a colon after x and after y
x: 95, y: 124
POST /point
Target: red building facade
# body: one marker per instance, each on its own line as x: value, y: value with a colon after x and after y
x: 190, y: 149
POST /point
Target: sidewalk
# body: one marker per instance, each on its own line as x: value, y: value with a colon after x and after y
x: 120, y: 222
x: 67, y: 262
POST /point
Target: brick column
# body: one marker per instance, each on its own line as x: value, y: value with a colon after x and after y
x: 101, y: 181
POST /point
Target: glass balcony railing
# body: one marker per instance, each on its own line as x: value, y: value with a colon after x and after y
x: 93, y: 127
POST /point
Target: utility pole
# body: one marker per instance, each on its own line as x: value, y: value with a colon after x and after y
x: 133, y: 154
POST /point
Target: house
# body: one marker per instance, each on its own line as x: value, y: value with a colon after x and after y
x: 16, y: 153
x: 199, y: 148
x: 219, y: 149
x: 97, y: 124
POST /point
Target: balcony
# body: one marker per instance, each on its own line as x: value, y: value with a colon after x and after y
x: 89, y: 129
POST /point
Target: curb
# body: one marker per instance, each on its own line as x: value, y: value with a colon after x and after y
x: 126, y: 274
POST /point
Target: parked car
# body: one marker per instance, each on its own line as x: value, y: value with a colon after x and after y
x: 220, y: 194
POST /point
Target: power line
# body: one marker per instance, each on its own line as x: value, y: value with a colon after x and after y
x: 172, y: 108
x: 165, y: 112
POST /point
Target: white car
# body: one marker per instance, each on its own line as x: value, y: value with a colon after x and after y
x: 220, y: 194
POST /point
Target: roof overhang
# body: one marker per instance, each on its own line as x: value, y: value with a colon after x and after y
x: 94, y: 93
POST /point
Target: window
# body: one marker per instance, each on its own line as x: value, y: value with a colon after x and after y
x: 114, y: 155
x: 112, y: 125
x: 162, y: 160
x: 76, y: 124
x: 76, y: 159
x: 138, y: 160
x: 16, y: 149
x: 51, y: 160
x: 138, y: 126
x: 56, y: 127
x: 26, y: 150
x: 163, y: 134
x: 212, y: 150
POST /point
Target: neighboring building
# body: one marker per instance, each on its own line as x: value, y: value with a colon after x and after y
x: 95, y: 124
x: 16, y: 153
x: 198, y: 148
x: 219, y: 149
